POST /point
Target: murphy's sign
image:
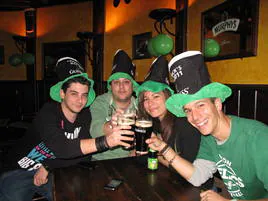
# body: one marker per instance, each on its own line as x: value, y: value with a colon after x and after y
x: 227, y: 25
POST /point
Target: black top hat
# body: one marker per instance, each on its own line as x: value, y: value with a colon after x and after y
x: 158, y: 77
x: 192, y: 82
x: 158, y: 71
x: 189, y: 72
x: 123, y: 64
x: 66, y: 69
x: 68, y: 66
x: 122, y: 68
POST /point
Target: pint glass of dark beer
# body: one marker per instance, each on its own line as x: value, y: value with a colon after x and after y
x: 143, y: 131
x: 127, y: 119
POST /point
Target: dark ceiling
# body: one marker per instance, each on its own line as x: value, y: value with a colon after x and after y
x: 15, y: 5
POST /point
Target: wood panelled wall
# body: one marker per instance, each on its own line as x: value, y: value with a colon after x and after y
x: 249, y: 101
x: 16, y: 99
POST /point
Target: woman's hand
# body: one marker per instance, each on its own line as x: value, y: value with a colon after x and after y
x: 155, y: 143
x: 40, y: 177
x: 117, y: 136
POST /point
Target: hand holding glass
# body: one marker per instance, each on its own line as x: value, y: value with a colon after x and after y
x: 128, y: 119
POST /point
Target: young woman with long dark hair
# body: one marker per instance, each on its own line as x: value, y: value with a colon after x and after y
x: 178, y: 133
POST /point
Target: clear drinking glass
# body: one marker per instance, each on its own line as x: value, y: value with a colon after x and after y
x: 143, y: 130
x: 111, y: 111
x: 128, y: 119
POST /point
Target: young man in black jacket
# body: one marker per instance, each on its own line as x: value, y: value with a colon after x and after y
x: 58, y: 137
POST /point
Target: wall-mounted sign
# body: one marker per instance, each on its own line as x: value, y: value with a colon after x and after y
x: 229, y: 30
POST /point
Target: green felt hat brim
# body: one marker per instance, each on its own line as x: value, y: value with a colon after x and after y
x: 119, y: 75
x: 152, y: 86
x: 176, y: 102
x: 55, y: 90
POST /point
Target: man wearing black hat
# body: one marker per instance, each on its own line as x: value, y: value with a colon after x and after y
x: 58, y: 137
x: 236, y: 147
x: 120, y: 86
x: 176, y: 132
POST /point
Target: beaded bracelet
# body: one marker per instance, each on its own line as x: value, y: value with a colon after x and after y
x: 166, y: 147
x: 171, y: 160
x: 165, y: 152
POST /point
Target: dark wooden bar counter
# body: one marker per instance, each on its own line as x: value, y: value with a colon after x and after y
x: 86, y: 184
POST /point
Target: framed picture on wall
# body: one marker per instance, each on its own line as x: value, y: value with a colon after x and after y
x: 230, y: 30
x: 139, y: 45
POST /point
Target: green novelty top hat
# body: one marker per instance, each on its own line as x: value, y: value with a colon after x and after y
x: 66, y: 69
x: 192, y: 82
x: 157, y: 78
x: 122, y: 68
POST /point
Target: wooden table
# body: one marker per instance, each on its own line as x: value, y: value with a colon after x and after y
x: 86, y: 184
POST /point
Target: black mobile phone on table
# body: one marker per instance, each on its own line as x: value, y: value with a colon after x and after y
x: 113, y: 184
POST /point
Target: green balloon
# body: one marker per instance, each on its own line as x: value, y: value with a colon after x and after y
x: 15, y: 60
x: 150, y: 48
x: 28, y: 58
x: 162, y: 44
x: 212, y: 48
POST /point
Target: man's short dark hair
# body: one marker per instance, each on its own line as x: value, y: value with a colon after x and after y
x: 80, y: 80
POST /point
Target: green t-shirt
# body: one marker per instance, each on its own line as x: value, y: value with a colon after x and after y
x: 100, y: 110
x: 242, y: 160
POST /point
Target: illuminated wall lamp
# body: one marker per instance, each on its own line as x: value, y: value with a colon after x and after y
x: 30, y: 21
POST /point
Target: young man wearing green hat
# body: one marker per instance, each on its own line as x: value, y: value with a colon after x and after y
x: 236, y: 147
x: 121, y: 85
x: 58, y: 137
x: 176, y: 132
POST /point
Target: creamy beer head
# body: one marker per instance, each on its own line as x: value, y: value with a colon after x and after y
x: 144, y: 123
x: 129, y: 115
x: 123, y: 121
